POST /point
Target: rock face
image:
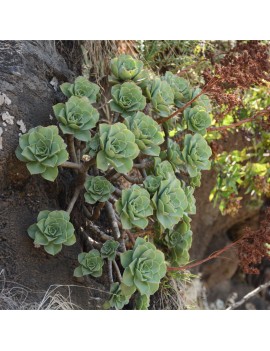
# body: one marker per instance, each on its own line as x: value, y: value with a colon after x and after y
x: 26, y: 70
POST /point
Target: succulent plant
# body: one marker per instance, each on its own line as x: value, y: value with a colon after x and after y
x: 90, y: 263
x: 196, y: 154
x: 152, y: 183
x: 81, y: 87
x: 161, y: 96
x: 118, y: 148
x: 196, y: 181
x: 144, y: 268
x: 93, y: 146
x: 43, y: 150
x: 191, y: 208
x: 162, y: 168
x: 179, y: 241
x: 109, y: 249
x: 172, y: 154
x: 76, y: 117
x: 127, y: 99
x: 142, y: 302
x: 170, y: 202
x: 181, y: 88
x: 134, y: 207
x: 147, y: 133
x: 124, y: 68
x: 202, y: 101
x: 118, y: 300
x: 97, y: 189
x: 197, y: 119
x: 52, y: 230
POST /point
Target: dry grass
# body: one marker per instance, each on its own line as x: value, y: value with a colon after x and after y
x: 14, y: 296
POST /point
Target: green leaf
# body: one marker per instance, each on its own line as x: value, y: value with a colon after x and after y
x: 78, y: 272
x: 35, y: 167
x: 50, y: 174
x: 53, y: 249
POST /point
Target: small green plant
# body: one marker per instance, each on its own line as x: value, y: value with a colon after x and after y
x: 97, y: 189
x: 144, y: 268
x: 43, y: 150
x: 90, y: 263
x: 77, y: 116
x: 109, y: 249
x: 147, y: 133
x: 52, y: 230
x: 81, y: 88
x: 128, y: 163
x: 117, y: 148
x: 169, y: 202
x: 127, y: 99
x: 134, y: 207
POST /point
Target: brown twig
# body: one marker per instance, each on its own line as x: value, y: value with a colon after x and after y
x: 249, y: 295
x: 239, y: 123
x: 212, y: 256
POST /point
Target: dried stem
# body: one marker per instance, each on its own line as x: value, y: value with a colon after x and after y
x: 110, y: 275
x: 249, y: 295
x: 74, y: 199
x: 71, y: 165
x: 113, y: 220
x: 117, y: 271
x: 97, y: 210
x: 132, y: 179
x: 130, y: 236
x: 117, y: 192
x: 212, y: 256
x: 93, y: 243
x: 146, y: 164
x: 71, y: 148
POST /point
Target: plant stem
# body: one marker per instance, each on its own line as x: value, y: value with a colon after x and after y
x: 132, y: 179
x: 117, y: 271
x: 73, y: 165
x: 97, y: 210
x: 110, y: 271
x: 74, y: 199
x: 113, y: 220
x: 71, y: 148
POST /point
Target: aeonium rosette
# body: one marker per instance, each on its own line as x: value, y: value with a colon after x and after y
x: 43, y: 150
x: 144, y: 268
x: 117, y: 148
x: 76, y: 117
x: 81, y: 87
x: 52, y: 230
x: 134, y: 207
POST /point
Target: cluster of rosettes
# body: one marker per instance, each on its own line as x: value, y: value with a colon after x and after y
x: 139, y: 102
